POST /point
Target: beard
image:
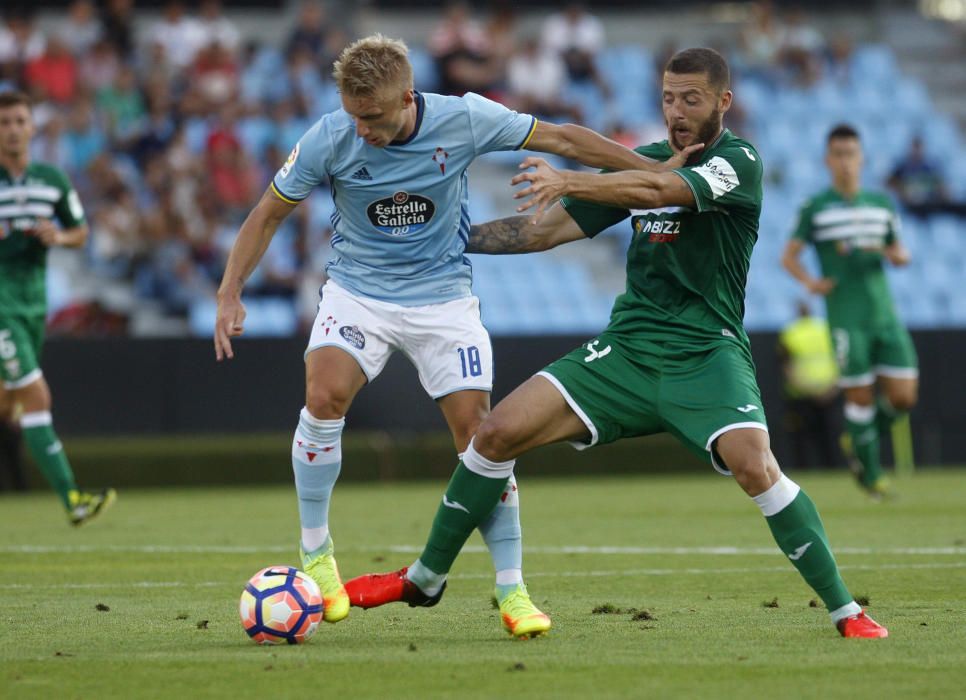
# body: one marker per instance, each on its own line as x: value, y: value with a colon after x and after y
x: 706, y: 133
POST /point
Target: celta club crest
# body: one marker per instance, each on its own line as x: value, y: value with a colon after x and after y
x: 328, y: 324
x: 440, y: 157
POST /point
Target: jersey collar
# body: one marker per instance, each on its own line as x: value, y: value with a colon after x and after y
x: 420, y: 109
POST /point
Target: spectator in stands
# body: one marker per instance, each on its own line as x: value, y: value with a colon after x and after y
x: 122, y: 107
x: 98, y: 67
x: 80, y: 29
x: 802, y: 48
x: 50, y: 144
x: 810, y: 388
x: 181, y: 36
x: 761, y: 42
x: 465, y: 58
x: 536, y: 78
x: 20, y: 42
x: 228, y: 170
x: 53, y: 74
x: 84, y: 137
x: 117, y: 21
x: 117, y: 240
x: 310, y: 29
x: 218, y: 29
x: 838, y: 60
x: 918, y: 184
x: 577, y: 36
x: 156, y: 131
x: 214, y: 77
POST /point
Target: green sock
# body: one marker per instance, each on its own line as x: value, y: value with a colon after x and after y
x: 469, y: 500
x: 48, y: 452
x: 860, y: 422
x: 799, y: 532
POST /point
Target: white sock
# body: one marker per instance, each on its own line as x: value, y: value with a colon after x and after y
x: 428, y: 581
x: 847, y: 610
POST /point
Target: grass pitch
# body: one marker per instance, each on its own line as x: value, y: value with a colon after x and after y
x: 692, y: 598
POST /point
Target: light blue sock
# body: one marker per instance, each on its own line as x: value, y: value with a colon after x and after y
x: 316, y: 461
x: 504, y: 538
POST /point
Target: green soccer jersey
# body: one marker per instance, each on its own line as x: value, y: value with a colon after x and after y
x: 849, y: 235
x: 687, y: 267
x: 41, y: 192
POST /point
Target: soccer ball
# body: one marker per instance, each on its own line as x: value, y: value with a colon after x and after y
x: 280, y: 604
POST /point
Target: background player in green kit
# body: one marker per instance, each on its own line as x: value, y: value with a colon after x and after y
x: 32, y: 197
x: 674, y: 357
x: 853, y: 231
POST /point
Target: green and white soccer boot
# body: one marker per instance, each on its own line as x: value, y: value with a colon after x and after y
x: 325, y: 572
x: 84, y: 506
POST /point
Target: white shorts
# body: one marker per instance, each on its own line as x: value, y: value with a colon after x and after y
x: 446, y: 342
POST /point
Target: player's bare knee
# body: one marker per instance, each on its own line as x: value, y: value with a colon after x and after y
x: 495, y: 439
x: 756, y: 471
x: 327, y: 404
x: 860, y: 395
x: 904, y: 399
x: 33, y: 397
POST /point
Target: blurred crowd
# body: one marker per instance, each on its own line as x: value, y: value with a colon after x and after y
x: 172, y: 129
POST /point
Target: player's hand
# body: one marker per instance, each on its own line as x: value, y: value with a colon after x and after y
x: 680, y: 158
x: 229, y: 323
x: 821, y: 286
x: 45, y: 232
x: 898, y: 255
x: 547, y: 185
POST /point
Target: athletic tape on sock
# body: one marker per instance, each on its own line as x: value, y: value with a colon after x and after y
x: 777, y: 498
x: 36, y: 419
x: 847, y: 610
x: 478, y: 464
x: 859, y: 414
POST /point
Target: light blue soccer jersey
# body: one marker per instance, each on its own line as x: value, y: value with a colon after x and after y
x: 401, y: 218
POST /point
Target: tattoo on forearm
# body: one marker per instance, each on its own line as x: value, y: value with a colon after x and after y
x: 510, y: 235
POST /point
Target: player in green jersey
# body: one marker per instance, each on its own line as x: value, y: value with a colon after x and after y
x: 674, y: 357
x: 854, y: 231
x: 32, y: 197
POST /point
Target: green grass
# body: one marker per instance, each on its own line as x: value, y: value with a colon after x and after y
x: 163, y: 560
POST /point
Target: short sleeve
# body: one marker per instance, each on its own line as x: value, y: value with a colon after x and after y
x: 306, y: 166
x: 803, y: 224
x: 729, y: 180
x: 496, y: 128
x: 68, y: 210
x: 593, y: 218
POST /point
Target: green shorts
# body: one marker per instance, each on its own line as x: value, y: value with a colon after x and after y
x: 21, y: 339
x: 695, y: 395
x: 864, y: 353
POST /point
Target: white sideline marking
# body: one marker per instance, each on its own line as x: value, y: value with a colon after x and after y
x: 469, y: 549
x: 532, y: 574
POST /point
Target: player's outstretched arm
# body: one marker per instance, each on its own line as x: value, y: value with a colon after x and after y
x: 791, y: 261
x: 253, y: 238
x: 629, y: 189
x: 518, y: 234
x: 48, y: 234
x: 590, y: 148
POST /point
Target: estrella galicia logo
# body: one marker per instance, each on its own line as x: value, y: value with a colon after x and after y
x: 353, y: 336
x: 401, y: 214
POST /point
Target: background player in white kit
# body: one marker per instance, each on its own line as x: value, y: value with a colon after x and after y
x: 398, y: 278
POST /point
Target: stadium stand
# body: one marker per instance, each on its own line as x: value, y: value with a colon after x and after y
x: 168, y: 153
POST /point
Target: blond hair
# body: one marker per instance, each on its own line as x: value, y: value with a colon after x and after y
x: 371, y: 64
